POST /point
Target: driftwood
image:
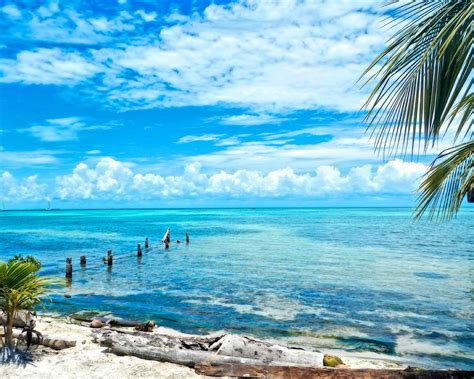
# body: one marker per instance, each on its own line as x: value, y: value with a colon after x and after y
x: 54, y: 342
x: 285, y: 372
x: 101, y: 316
x: 21, y: 319
x: 193, y: 350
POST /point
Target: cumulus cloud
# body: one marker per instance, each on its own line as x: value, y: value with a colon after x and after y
x: 267, y: 56
x: 27, y: 189
x: 114, y: 180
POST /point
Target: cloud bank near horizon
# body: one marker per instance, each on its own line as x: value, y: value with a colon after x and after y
x: 115, y: 180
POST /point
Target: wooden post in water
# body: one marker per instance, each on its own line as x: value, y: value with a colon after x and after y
x: 139, y: 250
x: 146, y: 243
x: 68, y: 268
x: 110, y: 258
x: 83, y: 260
x: 187, y: 238
x: 167, y: 238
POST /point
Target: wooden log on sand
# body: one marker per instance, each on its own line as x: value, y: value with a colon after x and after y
x: 191, y: 350
x: 54, y: 342
x: 293, y: 372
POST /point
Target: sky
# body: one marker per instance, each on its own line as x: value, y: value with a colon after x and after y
x: 128, y: 103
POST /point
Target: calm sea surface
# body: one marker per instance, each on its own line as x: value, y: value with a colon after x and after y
x: 357, y: 279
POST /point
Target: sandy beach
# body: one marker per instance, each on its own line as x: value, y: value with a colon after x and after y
x: 90, y: 360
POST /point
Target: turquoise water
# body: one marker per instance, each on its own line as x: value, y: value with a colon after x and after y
x: 357, y: 279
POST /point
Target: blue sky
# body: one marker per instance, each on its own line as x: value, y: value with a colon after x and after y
x: 191, y: 103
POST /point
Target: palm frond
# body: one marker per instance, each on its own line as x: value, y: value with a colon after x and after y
x: 448, y: 180
x: 422, y: 76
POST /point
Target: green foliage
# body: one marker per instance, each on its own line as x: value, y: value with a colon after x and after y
x: 424, y: 88
x: 447, y: 181
x: 21, y: 288
x: 28, y: 258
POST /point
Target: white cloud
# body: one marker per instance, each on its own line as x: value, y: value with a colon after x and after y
x: 47, y: 66
x: 148, y: 17
x: 62, y: 129
x: 267, y: 56
x: 21, y: 190
x: 93, y: 152
x: 113, y: 180
x: 250, y: 119
x: 11, y: 10
x: 28, y: 158
x: 200, y: 138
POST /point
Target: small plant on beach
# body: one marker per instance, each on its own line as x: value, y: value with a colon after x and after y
x: 28, y: 258
x: 21, y: 288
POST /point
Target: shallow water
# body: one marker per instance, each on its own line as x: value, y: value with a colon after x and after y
x: 358, y: 279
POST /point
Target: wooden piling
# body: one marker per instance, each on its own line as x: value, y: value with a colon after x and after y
x: 167, y: 237
x: 139, y: 250
x: 68, y: 268
x: 83, y: 260
x: 110, y: 258
x: 146, y: 243
x: 187, y: 238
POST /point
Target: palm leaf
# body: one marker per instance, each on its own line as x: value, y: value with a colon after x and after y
x: 448, y: 180
x: 424, y: 75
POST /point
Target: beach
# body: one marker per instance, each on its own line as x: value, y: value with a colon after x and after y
x: 90, y: 360
x: 87, y: 359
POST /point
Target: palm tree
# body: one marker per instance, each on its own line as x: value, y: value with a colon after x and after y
x: 423, y: 92
x: 21, y: 288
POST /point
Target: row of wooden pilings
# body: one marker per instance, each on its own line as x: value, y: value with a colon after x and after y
x: 109, y: 259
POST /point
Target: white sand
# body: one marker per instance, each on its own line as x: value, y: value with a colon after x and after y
x: 89, y: 360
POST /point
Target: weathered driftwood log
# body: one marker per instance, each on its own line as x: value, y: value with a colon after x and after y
x: 238, y: 346
x: 284, y: 372
x: 191, y: 350
x: 54, y: 342
x: 21, y: 319
x: 89, y: 316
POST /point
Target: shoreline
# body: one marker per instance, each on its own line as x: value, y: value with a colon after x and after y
x: 89, y: 358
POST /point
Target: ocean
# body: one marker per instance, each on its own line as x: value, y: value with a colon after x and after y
x: 359, y: 279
